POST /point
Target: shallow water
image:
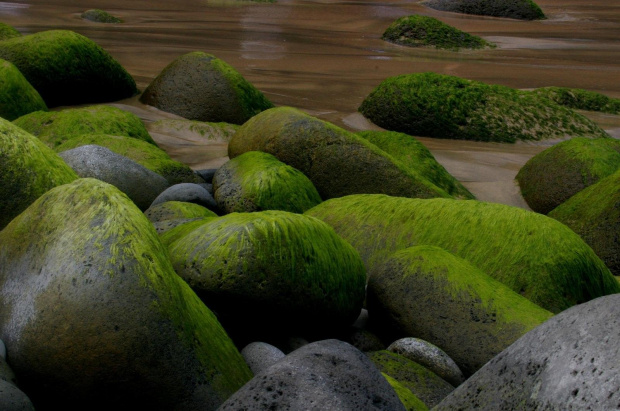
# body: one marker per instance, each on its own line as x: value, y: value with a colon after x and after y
x: 326, y: 56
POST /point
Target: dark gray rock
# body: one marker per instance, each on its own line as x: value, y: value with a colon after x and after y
x: 140, y: 184
x: 6, y: 373
x: 189, y: 193
x: 207, y: 174
x: 13, y: 399
x: 571, y: 362
x: 324, y: 375
x: 260, y: 356
x: 364, y: 340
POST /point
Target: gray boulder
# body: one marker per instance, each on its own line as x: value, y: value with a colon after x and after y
x: 324, y: 375
x: 140, y: 184
x: 13, y: 399
x: 188, y: 193
x: 260, y: 356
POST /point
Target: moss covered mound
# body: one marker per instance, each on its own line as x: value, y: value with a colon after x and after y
x: 434, y: 105
x: 428, y: 293
x: 553, y: 176
x: 409, y: 400
x: 514, y: 9
x: 423, y: 31
x: 27, y: 170
x: 199, y: 86
x: 594, y: 214
x: 336, y: 161
x: 17, y: 96
x: 54, y: 128
x: 415, y: 156
x: 172, y: 210
x: 424, y: 384
x: 90, y: 299
x: 100, y: 16
x: 8, y: 32
x: 256, y: 181
x: 272, y: 271
x: 581, y: 99
x: 67, y: 68
x: 146, y: 154
x: 532, y: 254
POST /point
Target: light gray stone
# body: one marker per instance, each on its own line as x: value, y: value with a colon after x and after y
x: 13, y: 399
x: 260, y: 356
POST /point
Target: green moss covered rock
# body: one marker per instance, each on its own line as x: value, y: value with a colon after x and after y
x: 594, y: 214
x: 272, y: 271
x: 67, y: 68
x: 532, y: 254
x: 409, y: 400
x: 428, y: 293
x: 514, y: 9
x: 424, y: 31
x: 8, y: 32
x: 553, y: 176
x: 336, y: 161
x: 415, y: 156
x: 55, y: 128
x: 199, y: 86
x: 581, y: 99
x: 100, y: 16
x: 17, y: 96
x: 27, y: 170
x: 140, y: 151
x: 257, y: 181
x: 434, y: 105
x: 93, y: 313
x: 171, y: 214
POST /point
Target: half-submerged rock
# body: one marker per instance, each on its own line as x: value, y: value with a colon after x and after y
x: 514, y: 9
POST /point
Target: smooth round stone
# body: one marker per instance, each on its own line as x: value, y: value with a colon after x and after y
x: 260, y: 355
x: 189, y: 193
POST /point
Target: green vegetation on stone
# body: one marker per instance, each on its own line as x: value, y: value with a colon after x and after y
x: 100, y: 16
x: 409, y: 400
x: 8, y: 32
x: 434, y: 105
x: 171, y: 236
x: 17, y: 96
x: 580, y: 99
x: 172, y: 210
x: 514, y: 9
x: 423, y: 31
x: 532, y: 254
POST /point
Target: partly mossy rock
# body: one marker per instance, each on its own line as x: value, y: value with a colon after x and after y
x: 100, y: 16
x: 532, y: 254
x: 257, y: 181
x: 173, y: 210
x: 514, y: 9
x: 580, y: 99
x: 428, y: 293
x: 424, y: 31
x: 140, y: 151
x: 28, y: 169
x: 272, y: 271
x: 594, y: 214
x: 56, y: 127
x: 409, y: 400
x: 17, y: 96
x: 415, y: 156
x: 90, y: 299
x: 336, y: 161
x: 8, y: 32
x: 435, y: 105
x: 553, y: 176
x: 199, y: 86
x: 67, y: 68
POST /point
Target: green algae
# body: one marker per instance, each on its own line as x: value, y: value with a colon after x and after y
x: 534, y: 255
x: 415, y: 156
x: 172, y: 210
x: 409, y: 400
x: 515, y: 9
x: 27, y: 170
x: 8, y: 32
x: 17, y: 96
x: 55, y: 128
x: 256, y: 181
x: 173, y: 235
x: 100, y: 16
x: 423, y: 31
x: 580, y: 99
x: 434, y: 105
x: 67, y: 68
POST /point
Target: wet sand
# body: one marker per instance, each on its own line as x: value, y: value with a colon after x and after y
x: 325, y: 57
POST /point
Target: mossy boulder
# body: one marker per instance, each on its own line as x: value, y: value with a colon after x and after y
x: 100, y: 16
x: 55, y: 128
x: 553, y: 176
x: 171, y: 214
x: 257, y: 181
x: 28, y: 169
x: 428, y: 293
x: 67, y: 68
x: 409, y: 400
x: 580, y: 99
x: 532, y: 254
x: 594, y: 214
x: 8, y: 32
x: 424, y: 384
x: 140, y: 151
x: 17, y: 96
x: 272, y: 271
x: 94, y: 316
x: 424, y: 31
x: 415, y: 156
x: 514, y: 9
x: 199, y: 86
x: 336, y: 161
x: 435, y: 105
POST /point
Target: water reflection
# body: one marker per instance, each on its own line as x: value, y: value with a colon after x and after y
x: 12, y: 9
x: 262, y: 35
